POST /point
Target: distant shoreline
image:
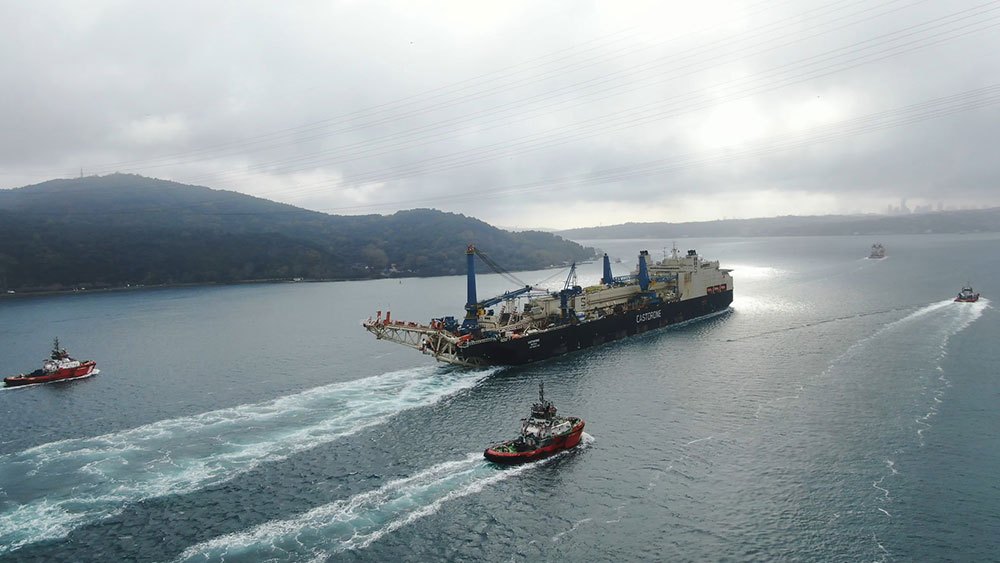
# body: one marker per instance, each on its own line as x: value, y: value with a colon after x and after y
x: 971, y: 221
x: 47, y: 293
x: 141, y: 287
x: 138, y: 287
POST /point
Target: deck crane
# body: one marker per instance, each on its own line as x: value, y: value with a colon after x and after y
x: 570, y: 289
x: 475, y: 308
x: 571, y: 277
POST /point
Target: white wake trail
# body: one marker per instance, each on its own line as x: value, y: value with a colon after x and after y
x: 103, y: 474
x: 361, y: 520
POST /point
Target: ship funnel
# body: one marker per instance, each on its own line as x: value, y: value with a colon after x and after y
x: 643, y: 270
x: 608, y: 278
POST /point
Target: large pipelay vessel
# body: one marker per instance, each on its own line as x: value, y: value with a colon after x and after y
x: 528, y: 324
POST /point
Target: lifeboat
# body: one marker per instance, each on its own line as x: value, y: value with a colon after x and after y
x: 542, y: 434
x: 59, y: 367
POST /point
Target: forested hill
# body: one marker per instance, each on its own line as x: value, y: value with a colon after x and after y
x: 964, y: 221
x: 121, y: 229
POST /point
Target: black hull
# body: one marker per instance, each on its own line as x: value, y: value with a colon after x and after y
x: 570, y: 338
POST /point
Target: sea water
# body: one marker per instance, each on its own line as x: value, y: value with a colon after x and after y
x: 843, y: 409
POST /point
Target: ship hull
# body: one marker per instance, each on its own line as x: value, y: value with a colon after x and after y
x: 570, y: 338
x: 558, y: 444
x: 85, y: 369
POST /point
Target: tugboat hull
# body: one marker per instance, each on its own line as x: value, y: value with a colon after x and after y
x: 559, y: 443
x: 85, y: 369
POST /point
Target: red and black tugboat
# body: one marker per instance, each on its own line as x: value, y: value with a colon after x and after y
x: 60, y: 366
x: 542, y: 434
x: 967, y: 295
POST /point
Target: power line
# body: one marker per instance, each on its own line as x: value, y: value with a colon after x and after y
x: 694, y: 100
x: 863, y: 52
x: 933, y: 109
x: 453, y: 90
x: 888, y: 119
x: 399, y: 139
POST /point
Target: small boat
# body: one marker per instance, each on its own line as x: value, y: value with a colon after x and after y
x: 967, y: 295
x: 59, y: 367
x: 878, y: 252
x: 542, y: 434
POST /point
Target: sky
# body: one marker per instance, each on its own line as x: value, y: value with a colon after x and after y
x: 525, y: 114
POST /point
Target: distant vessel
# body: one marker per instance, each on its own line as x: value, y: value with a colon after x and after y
x: 679, y: 288
x: 967, y: 295
x: 543, y: 433
x: 60, y: 366
x: 878, y: 252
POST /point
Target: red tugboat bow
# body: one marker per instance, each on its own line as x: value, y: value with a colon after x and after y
x: 542, y: 434
x: 60, y: 366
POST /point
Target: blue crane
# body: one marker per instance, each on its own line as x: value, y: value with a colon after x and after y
x: 473, y: 307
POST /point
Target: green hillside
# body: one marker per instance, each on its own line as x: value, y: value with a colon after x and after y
x: 123, y: 229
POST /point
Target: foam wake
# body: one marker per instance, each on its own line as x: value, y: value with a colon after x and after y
x: 925, y: 334
x: 946, y: 318
x: 88, y: 479
x: 359, y: 521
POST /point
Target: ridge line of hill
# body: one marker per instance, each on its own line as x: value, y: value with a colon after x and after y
x: 952, y: 221
x: 124, y: 230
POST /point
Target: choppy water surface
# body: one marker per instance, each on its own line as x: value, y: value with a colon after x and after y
x: 844, y: 409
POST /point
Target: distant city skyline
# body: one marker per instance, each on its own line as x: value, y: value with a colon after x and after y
x: 904, y: 209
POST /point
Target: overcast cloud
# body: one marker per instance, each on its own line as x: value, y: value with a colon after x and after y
x: 524, y: 114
